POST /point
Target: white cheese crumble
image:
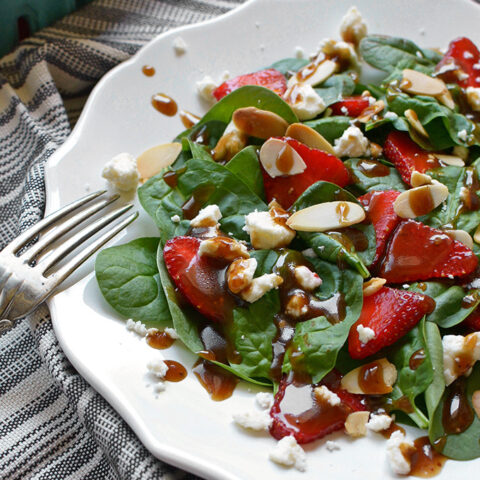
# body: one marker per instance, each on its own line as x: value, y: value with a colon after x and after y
x: 299, y: 52
x: 365, y: 334
x: 138, y: 327
x: 260, y: 286
x: 207, y: 217
x: 455, y: 346
x: 353, y: 27
x: 216, y: 247
x: 332, y: 446
x: 175, y: 218
x: 473, y: 97
x: 171, y: 332
x: 179, y: 45
x: 253, y: 420
x: 352, y: 143
x: 289, y: 453
x: 462, y: 135
x: 390, y: 116
x: 305, y: 102
x: 265, y: 232
x: 307, y: 279
x: 398, y: 463
x: 243, y: 272
x: 264, y: 400
x: 467, y: 54
x: 380, y: 422
x: 205, y: 88
x: 476, y: 66
x: 121, y: 171
x: 344, y: 110
x: 327, y: 395
x: 158, y: 368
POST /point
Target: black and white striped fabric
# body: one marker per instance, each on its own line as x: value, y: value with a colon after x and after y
x: 53, y: 425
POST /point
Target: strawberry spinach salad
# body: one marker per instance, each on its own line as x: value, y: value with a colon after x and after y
x: 318, y: 237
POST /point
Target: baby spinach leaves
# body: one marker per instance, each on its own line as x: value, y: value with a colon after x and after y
x: 289, y: 65
x: 330, y: 127
x: 336, y: 88
x: 246, y: 166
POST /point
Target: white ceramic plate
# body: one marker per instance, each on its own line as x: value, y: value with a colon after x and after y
x: 183, y: 426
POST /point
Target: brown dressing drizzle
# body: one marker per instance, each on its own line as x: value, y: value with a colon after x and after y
x: 425, y: 461
x: 193, y: 205
x: 171, y: 178
x: 219, y: 383
x: 284, y: 161
x: 416, y: 359
x: 421, y: 201
x: 342, y: 209
x: 370, y: 379
x: 148, y: 70
x: 159, y: 339
x: 164, y: 104
x: 394, y: 427
x: 457, y: 414
x: 470, y: 300
x: 188, y: 119
x: 176, y: 371
x: 371, y: 168
x: 470, y: 200
x: 351, y: 238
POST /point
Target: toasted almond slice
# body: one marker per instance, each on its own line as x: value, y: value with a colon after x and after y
x: 309, y: 137
x: 420, y: 200
x: 461, y: 236
x: 373, y: 286
x: 476, y: 235
x: 375, y: 150
x: 155, y: 159
x: 326, y: 216
x: 476, y: 402
x: 461, y: 151
x: 446, y: 98
x: 370, y: 111
x: 420, y: 84
x: 314, y: 73
x: 356, y: 424
x: 351, y: 381
x: 259, y: 123
x: 413, y: 120
x: 279, y: 158
x: 229, y: 145
x: 450, y: 160
x: 418, y: 179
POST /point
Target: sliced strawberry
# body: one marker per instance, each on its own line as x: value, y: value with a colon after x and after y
x: 297, y: 411
x: 201, y: 279
x: 418, y: 252
x: 320, y: 166
x: 350, y: 106
x: 462, y: 58
x: 379, y: 207
x: 270, y: 78
x: 390, y: 313
x: 407, y: 156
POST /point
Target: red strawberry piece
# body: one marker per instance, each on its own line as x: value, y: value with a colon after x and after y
x: 462, y: 58
x: 379, y: 207
x: 473, y: 320
x: 270, y: 78
x: 390, y: 313
x: 407, y: 156
x: 200, y: 279
x: 418, y: 252
x: 350, y: 106
x: 320, y: 166
x: 297, y: 410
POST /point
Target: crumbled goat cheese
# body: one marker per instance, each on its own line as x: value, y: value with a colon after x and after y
x: 121, y: 171
x: 473, y: 97
x: 455, y: 346
x: 228, y: 248
x: 476, y: 66
x: 390, y: 116
x: 398, y: 463
x: 171, y: 332
x: 462, y: 135
x: 299, y: 52
x: 371, y: 100
x: 138, y: 327
x: 243, y: 273
x: 327, y: 395
x: 264, y: 400
x: 352, y: 143
x: 205, y: 88
x: 344, y: 110
x: 297, y: 306
x: 158, y: 368
x: 253, y: 420
x: 332, y: 446
x: 365, y: 334
x: 289, y: 453
x: 265, y: 233
x: 305, y: 102
x: 353, y: 27
x: 207, y: 217
x: 307, y: 279
x: 179, y: 45
x: 467, y: 54
x: 175, y: 218
x: 260, y: 286
x: 377, y: 423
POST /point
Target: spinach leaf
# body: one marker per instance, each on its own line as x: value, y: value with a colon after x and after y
x: 335, y: 88
x: 464, y: 445
x: 435, y: 390
x: 198, y: 151
x: 287, y: 65
x: 449, y: 310
x: 128, y: 279
x: 207, y: 133
x: 330, y: 127
x: 317, y: 342
x: 337, y: 246
x: 391, y: 53
x: 246, y: 166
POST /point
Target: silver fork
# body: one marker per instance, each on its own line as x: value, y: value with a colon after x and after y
x: 25, y: 277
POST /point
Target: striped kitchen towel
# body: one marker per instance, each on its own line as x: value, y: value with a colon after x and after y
x: 53, y: 425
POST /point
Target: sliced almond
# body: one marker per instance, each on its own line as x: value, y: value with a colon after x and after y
x: 450, y: 160
x: 476, y: 402
x: 461, y: 236
x: 309, y: 137
x: 353, y: 380
x: 326, y: 216
x: 375, y: 150
x: 413, y: 120
x: 418, y: 83
x: 229, y: 145
x: 418, y: 179
x: 279, y: 158
x: 476, y: 235
x: 370, y: 111
x: 259, y: 123
x: 461, y: 151
x: 315, y: 73
x: 446, y: 98
x: 155, y: 159
x: 356, y: 424
x: 419, y: 201
x: 373, y: 286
